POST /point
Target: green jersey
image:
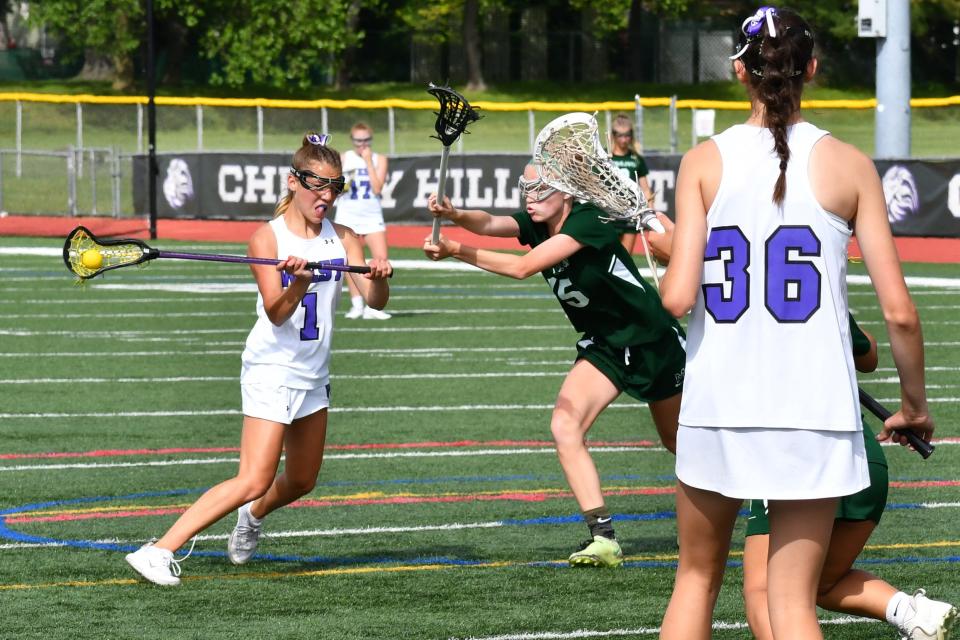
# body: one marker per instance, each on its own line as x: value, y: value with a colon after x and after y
x: 631, y: 165
x: 599, y: 286
x: 861, y: 343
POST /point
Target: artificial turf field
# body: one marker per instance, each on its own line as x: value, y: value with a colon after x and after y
x: 440, y: 511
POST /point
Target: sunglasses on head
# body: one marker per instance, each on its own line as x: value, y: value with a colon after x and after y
x: 537, y: 190
x: 313, y: 182
x: 362, y: 140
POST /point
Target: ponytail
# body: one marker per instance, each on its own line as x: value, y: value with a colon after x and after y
x: 775, y: 46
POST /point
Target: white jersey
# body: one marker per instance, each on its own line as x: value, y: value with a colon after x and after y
x: 768, y: 342
x: 297, y: 353
x: 358, y: 201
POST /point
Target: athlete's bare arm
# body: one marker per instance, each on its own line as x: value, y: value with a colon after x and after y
x: 474, y: 220
x: 543, y: 256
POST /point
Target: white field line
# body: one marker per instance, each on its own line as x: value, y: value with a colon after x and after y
x: 429, y: 351
x: 23, y: 333
x: 385, y: 376
x: 236, y: 412
x: 640, y: 631
x: 252, y: 314
x: 404, y: 353
x: 387, y: 409
x: 326, y: 456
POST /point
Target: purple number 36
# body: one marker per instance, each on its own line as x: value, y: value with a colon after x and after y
x: 792, y: 287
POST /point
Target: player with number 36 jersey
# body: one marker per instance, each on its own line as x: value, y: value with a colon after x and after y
x: 765, y: 211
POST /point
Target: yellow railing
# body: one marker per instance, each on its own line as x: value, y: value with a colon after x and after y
x: 621, y: 105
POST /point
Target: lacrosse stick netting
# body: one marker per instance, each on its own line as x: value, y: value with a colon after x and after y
x: 570, y: 158
x: 452, y: 120
x: 105, y: 254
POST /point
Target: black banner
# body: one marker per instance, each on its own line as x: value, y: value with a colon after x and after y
x: 923, y: 197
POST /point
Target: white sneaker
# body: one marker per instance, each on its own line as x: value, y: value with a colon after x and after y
x: 354, y: 313
x: 155, y: 564
x: 927, y: 619
x: 244, y: 538
x: 369, y: 313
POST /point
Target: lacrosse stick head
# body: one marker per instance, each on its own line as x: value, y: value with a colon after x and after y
x: 87, y: 255
x: 570, y: 157
x: 454, y: 116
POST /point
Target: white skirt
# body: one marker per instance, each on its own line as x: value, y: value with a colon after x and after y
x: 362, y: 222
x: 772, y: 464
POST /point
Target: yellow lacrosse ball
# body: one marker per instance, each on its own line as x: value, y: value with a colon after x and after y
x: 91, y: 259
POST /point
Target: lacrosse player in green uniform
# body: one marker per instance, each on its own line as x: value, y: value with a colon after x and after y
x: 629, y: 343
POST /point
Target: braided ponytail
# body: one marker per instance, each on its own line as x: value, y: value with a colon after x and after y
x: 776, y: 48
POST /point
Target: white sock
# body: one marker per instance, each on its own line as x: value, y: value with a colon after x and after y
x: 250, y: 517
x: 897, y: 608
x: 356, y: 302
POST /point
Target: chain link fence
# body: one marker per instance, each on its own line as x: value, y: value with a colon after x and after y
x: 75, y: 157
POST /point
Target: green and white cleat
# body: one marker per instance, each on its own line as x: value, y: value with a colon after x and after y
x: 600, y: 552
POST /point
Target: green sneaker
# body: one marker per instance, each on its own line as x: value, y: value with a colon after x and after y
x: 599, y: 552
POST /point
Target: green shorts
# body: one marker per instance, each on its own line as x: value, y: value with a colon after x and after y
x: 648, y: 372
x: 865, y: 505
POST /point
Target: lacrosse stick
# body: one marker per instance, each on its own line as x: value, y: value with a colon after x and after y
x: 569, y: 157
x: 88, y: 256
x: 452, y: 120
x: 921, y: 446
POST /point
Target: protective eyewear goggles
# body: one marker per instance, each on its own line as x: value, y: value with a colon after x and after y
x: 366, y: 140
x: 536, y: 190
x: 313, y: 182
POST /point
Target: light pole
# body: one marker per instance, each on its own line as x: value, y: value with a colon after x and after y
x: 152, y: 170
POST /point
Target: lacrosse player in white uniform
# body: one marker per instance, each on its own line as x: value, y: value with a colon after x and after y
x: 769, y: 410
x: 285, y: 376
x: 359, y: 207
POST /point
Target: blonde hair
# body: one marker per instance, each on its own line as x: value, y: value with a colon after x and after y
x: 313, y: 148
x: 361, y: 126
x: 623, y: 120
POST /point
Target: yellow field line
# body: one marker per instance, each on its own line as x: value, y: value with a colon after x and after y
x: 268, y: 575
x: 613, y: 105
x: 313, y: 573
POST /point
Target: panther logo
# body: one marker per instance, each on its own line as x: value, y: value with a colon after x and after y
x: 178, y: 185
x: 900, y: 192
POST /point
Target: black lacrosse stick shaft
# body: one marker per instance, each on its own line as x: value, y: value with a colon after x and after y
x: 924, y: 448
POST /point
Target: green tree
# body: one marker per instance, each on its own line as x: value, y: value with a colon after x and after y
x: 108, y: 28
x: 279, y: 44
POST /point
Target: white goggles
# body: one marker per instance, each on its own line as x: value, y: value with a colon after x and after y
x: 536, y: 190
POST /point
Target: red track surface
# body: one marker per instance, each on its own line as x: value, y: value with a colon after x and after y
x: 941, y: 250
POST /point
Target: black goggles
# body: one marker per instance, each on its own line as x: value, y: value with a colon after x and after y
x: 313, y: 182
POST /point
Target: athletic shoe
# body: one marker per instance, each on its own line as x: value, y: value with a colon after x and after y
x: 599, y: 552
x: 243, y: 540
x: 354, y: 313
x: 155, y: 564
x: 927, y: 619
x: 369, y: 313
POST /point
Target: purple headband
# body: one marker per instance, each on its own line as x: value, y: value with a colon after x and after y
x: 318, y: 139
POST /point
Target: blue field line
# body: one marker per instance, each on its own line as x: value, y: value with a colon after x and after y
x: 130, y: 496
